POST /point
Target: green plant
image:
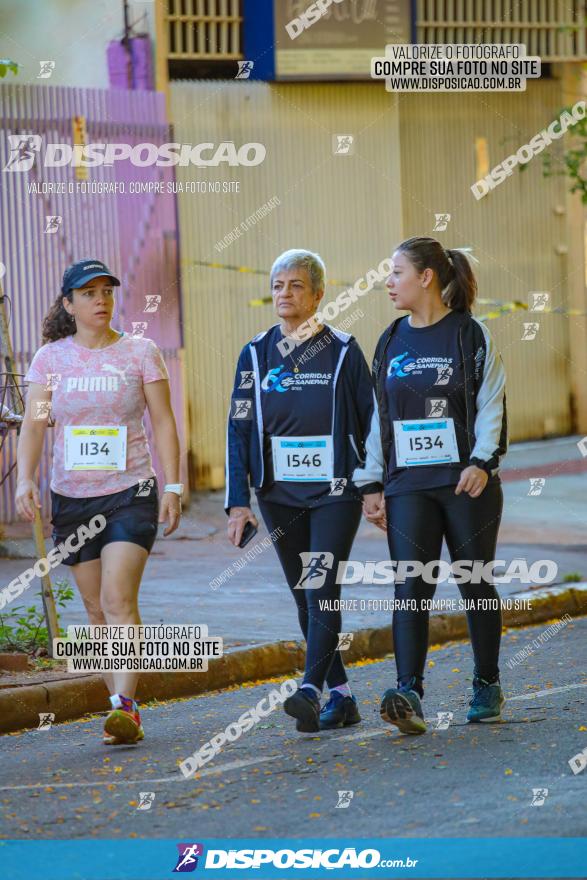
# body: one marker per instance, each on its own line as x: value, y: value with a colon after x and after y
x: 23, y: 629
x: 572, y: 578
x: 6, y: 64
x: 571, y: 162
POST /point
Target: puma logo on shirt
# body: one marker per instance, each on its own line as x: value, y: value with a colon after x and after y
x: 98, y: 383
x: 92, y: 383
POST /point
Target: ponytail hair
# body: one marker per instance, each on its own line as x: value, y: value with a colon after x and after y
x: 455, y: 275
x: 58, y: 323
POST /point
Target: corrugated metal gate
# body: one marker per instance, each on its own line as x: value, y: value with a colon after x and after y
x: 135, y: 234
x: 348, y: 209
x: 517, y: 232
x: 413, y: 157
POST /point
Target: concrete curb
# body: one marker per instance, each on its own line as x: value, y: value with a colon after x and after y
x: 72, y: 698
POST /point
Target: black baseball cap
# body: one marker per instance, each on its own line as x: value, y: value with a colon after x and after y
x: 83, y: 271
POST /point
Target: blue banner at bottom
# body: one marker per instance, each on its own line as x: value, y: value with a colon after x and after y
x: 220, y: 858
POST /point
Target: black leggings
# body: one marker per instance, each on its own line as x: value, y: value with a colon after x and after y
x: 416, y: 524
x: 330, y: 528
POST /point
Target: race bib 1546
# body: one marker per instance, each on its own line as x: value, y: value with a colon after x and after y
x: 303, y: 459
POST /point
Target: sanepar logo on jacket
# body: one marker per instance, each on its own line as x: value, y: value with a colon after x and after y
x: 276, y: 380
x: 406, y: 365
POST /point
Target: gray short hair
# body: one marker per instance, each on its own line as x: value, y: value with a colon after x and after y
x: 297, y: 257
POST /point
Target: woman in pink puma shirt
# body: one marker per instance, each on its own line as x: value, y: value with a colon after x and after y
x: 99, y: 381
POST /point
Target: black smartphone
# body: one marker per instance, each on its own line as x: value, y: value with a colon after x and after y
x: 249, y: 533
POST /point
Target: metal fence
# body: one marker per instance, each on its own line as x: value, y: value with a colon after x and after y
x: 553, y: 29
x: 198, y: 30
x: 134, y: 233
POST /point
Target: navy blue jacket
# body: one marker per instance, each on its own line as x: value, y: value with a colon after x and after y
x: 354, y: 417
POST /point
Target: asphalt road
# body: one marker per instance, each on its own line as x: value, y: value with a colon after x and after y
x: 464, y: 781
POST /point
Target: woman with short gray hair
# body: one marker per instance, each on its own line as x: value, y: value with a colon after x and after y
x: 302, y: 411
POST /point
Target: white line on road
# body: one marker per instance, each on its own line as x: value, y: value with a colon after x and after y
x: 177, y: 777
x: 237, y: 765
x: 547, y: 692
x: 352, y: 736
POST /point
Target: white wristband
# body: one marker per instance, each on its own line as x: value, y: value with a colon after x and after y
x: 176, y: 488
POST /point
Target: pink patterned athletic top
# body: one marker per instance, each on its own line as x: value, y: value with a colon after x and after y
x: 102, y: 386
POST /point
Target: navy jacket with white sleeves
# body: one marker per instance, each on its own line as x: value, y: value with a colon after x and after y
x: 485, y: 434
x: 354, y: 419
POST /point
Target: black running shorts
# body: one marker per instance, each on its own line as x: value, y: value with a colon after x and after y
x: 129, y: 517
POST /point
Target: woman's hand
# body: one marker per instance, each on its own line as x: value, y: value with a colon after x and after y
x: 27, y: 498
x: 473, y: 480
x: 170, y: 511
x: 237, y: 520
x: 374, y: 509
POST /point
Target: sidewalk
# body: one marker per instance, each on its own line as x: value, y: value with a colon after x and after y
x: 253, y: 607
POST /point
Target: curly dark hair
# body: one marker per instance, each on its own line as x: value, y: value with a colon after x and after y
x: 58, y: 323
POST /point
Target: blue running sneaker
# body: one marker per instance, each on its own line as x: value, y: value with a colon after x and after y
x: 402, y: 707
x: 487, y: 702
x: 304, y: 706
x: 339, y: 711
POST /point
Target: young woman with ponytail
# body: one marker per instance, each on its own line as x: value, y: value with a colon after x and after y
x: 97, y: 382
x: 440, y: 388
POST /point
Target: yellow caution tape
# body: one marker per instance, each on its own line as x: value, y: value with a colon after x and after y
x: 502, y: 307
x: 266, y: 299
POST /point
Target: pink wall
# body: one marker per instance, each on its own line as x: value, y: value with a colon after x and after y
x: 135, y: 234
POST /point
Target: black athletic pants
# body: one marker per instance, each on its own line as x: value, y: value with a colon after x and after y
x: 329, y: 529
x: 416, y: 525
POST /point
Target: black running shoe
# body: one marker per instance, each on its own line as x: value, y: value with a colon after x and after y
x: 339, y: 711
x: 402, y: 707
x: 305, y: 708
